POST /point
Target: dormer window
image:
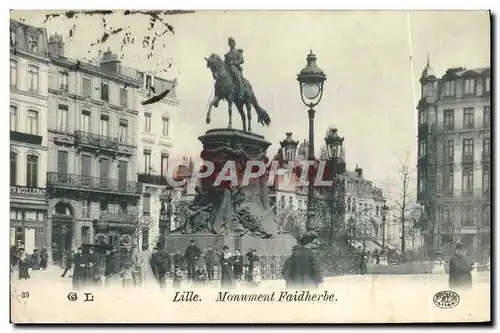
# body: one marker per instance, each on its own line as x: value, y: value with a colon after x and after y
x: 33, y: 43
x: 449, y: 88
x: 469, y: 86
x: 148, y: 82
x: 429, y: 89
x: 64, y: 81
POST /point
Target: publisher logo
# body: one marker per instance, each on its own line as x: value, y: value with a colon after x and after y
x: 446, y: 299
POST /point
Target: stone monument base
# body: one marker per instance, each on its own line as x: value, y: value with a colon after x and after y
x: 279, y: 245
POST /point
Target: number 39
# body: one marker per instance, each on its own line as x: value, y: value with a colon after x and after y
x: 25, y: 294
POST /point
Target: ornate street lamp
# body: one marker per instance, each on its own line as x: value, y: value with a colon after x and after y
x: 289, y: 146
x: 385, y: 209
x: 311, y: 79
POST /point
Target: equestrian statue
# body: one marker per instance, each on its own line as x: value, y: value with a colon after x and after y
x: 233, y: 87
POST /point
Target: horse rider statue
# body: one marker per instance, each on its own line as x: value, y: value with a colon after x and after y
x: 234, y: 60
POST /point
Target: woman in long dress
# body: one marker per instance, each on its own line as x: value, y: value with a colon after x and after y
x: 226, y: 263
x: 146, y: 272
x: 24, y: 264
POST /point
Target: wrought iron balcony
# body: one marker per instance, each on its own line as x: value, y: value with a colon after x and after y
x: 122, y: 217
x: 99, y: 141
x: 475, y: 193
x: 79, y: 182
x: 149, y: 178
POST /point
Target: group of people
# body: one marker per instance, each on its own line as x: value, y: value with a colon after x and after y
x: 22, y: 262
x: 141, y: 268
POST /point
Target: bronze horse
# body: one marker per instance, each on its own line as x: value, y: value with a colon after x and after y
x: 225, y: 89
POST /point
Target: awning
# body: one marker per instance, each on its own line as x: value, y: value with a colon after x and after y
x: 30, y: 205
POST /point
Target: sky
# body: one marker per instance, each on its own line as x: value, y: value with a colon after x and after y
x: 372, y: 85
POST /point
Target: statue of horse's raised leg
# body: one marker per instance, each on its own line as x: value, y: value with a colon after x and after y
x: 214, y: 102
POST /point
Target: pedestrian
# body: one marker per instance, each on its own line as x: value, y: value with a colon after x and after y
x: 301, y: 269
x: 178, y: 259
x: 155, y: 263
x: 164, y: 267
x: 362, y: 260
x: 35, y: 260
x: 69, y: 262
x: 112, y: 270
x: 24, y: 264
x: 145, y: 270
x: 177, y: 277
x: 252, y: 260
x: 93, y: 270
x: 210, y: 262
x: 191, y: 255
x: 44, y: 258
x: 79, y: 273
x: 226, y: 274
x: 136, y: 261
x: 460, y: 270
x: 201, y: 273
x: 14, y: 259
x: 237, y: 265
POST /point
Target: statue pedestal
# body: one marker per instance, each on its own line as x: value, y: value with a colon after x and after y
x: 233, y: 213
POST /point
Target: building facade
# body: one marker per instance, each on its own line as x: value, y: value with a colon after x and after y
x: 92, y: 151
x: 154, y: 149
x: 29, y: 65
x: 454, y: 168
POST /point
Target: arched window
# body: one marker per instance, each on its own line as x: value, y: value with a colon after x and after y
x: 13, y: 73
x: 33, y: 78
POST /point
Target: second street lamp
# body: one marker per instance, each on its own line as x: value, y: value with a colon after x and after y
x: 384, y: 212
x: 311, y: 79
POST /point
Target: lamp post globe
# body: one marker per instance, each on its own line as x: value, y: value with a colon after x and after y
x: 311, y: 80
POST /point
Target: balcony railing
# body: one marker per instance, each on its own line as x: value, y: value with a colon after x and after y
x: 148, y: 178
x: 117, y: 217
x: 100, y: 141
x: 468, y: 158
x: 464, y: 194
x: 57, y: 179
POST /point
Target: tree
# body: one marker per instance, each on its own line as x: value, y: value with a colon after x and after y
x: 291, y: 219
x: 402, y: 197
x: 140, y: 225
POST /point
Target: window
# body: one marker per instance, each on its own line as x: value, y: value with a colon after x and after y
x: 85, y: 121
x: 32, y: 171
x: 300, y: 204
x: 148, y: 82
x: 422, y: 148
x: 13, y: 118
x: 467, y: 216
x: 428, y: 89
x: 123, y: 97
x: 86, y: 162
x: 469, y: 86
x: 146, y: 204
x: 33, y: 78
x: 64, y: 81
x: 104, y: 91
x: 467, y: 178
x: 13, y: 168
x: 486, y: 146
x: 421, y: 183
x: 449, y: 178
x: 62, y: 162
x: 486, y: 116
x: 449, y: 119
x: 290, y: 202
x: 13, y: 73
x: 469, y: 148
x: 164, y: 165
x: 33, y: 122
x: 486, y: 178
x: 449, y: 150
x: 62, y: 118
x: 123, y: 130
x: 12, y: 38
x: 33, y: 43
x: 86, y: 235
x: 103, y: 206
x: 147, y: 122
x: 104, y: 125
x: 468, y: 118
x: 165, y: 127
x: 422, y: 117
x: 487, y: 84
x: 147, y: 161
x: 449, y: 88
x: 87, y: 87
x: 447, y: 214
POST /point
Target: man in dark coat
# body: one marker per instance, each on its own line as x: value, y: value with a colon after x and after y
x: 69, y: 262
x: 301, y: 269
x: 460, y: 270
x: 210, y: 262
x: 164, y: 266
x: 191, y: 255
x: 80, y: 262
x: 363, y: 256
x: 238, y: 265
x: 93, y: 270
x: 252, y: 258
x: 226, y: 271
x: 44, y: 258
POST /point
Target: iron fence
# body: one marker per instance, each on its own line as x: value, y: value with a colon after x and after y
x: 91, y: 183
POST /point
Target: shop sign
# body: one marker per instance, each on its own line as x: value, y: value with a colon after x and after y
x: 27, y: 191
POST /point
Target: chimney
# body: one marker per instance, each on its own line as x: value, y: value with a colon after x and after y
x: 56, y: 45
x: 110, y: 62
x: 359, y: 171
